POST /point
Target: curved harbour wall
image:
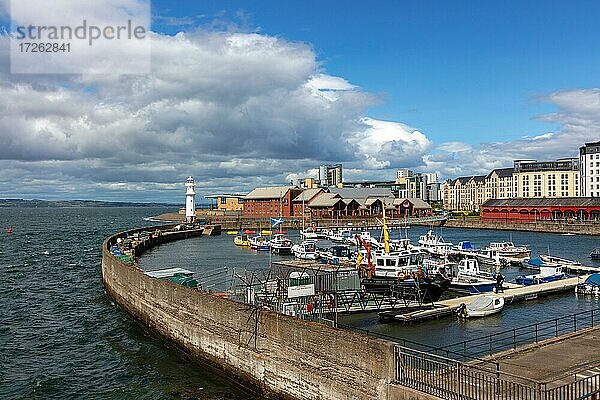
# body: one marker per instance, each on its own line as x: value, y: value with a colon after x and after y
x: 283, y: 356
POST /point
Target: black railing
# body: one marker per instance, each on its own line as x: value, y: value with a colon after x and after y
x: 513, y: 338
x: 451, y: 379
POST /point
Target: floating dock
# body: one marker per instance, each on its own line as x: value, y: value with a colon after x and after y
x: 447, y: 307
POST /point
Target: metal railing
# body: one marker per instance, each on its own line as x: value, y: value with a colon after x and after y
x: 451, y: 379
x: 513, y: 338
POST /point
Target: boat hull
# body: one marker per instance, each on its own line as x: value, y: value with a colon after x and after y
x: 282, y: 250
x: 472, y: 288
x: 426, y: 290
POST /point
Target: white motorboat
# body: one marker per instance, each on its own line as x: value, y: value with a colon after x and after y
x: 308, y: 233
x: 507, y: 250
x: 470, y: 279
x: 547, y: 258
x: 434, y: 244
x: 481, y: 307
x: 307, y: 250
x: 340, y: 236
x: 548, y: 273
x: 259, y: 243
x: 280, y: 244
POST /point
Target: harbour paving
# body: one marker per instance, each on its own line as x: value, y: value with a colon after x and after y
x: 558, y: 360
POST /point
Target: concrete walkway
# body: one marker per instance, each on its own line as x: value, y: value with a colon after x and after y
x: 556, y: 359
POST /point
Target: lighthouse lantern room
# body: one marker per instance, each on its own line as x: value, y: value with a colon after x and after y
x: 190, y: 204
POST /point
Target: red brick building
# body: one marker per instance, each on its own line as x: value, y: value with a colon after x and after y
x: 535, y: 209
x: 300, y: 203
x: 271, y: 201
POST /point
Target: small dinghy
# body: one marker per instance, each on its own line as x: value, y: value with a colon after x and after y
x: 481, y: 307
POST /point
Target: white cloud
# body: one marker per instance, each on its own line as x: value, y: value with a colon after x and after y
x: 221, y: 106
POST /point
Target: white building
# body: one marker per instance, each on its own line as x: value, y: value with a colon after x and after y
x: 589, y: 164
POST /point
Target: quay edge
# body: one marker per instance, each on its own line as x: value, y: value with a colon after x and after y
x: 282, y: 356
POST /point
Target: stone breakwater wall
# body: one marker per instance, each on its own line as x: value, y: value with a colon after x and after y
x: 560, y: 227
x: 283, y: 356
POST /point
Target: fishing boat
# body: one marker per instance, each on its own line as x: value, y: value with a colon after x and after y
x: 434, y: 244
x: 481, y: 307
x: 558, y: 260
x: 397, y: 271
x: 241, y: 240
x: 336, y: 254
x: 590, y: 286
x: 507, y: 250
x: 470, y: 279
x: 307, y: 250
x: 548, y: 273
x: 595, y: 255
x: 280, y: 244
x: 259, y: 243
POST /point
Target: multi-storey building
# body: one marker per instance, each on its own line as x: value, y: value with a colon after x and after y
x: 499, y: 184
x: 548, y: 179
x: 228, y: 202
x: 589, y: 164
x: 527, y: 179
x: 466, y: 193
x: 424, y: 186
x: 330, y: 175
x: 271, y: 201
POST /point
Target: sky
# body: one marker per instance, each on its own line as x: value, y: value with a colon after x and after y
x: 254, y: 93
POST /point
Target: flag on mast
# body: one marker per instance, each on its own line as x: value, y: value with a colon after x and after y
x: 276, y: 222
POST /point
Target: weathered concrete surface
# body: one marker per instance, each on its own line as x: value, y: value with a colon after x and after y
x: 548, y: 227
x: 551, y: 359
x: 284, y: 356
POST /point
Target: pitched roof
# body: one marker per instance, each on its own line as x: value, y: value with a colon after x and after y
x: 544, y: 202
x: 478, y: 178
x: 325, y: 200
x: 273, y: 192
x: 307, y: 195
x: 419, y: 204
x: 502, y: 172
x: 361, y: 193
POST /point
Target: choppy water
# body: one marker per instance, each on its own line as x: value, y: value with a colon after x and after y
x: 62, y: 338
x: 60, y: 335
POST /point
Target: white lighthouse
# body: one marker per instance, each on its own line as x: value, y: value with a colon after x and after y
x: 190, y: 203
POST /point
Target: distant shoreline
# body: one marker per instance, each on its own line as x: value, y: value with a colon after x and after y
x: 13, y: 203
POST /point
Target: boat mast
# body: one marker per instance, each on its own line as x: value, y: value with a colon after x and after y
x: 386, y: 233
